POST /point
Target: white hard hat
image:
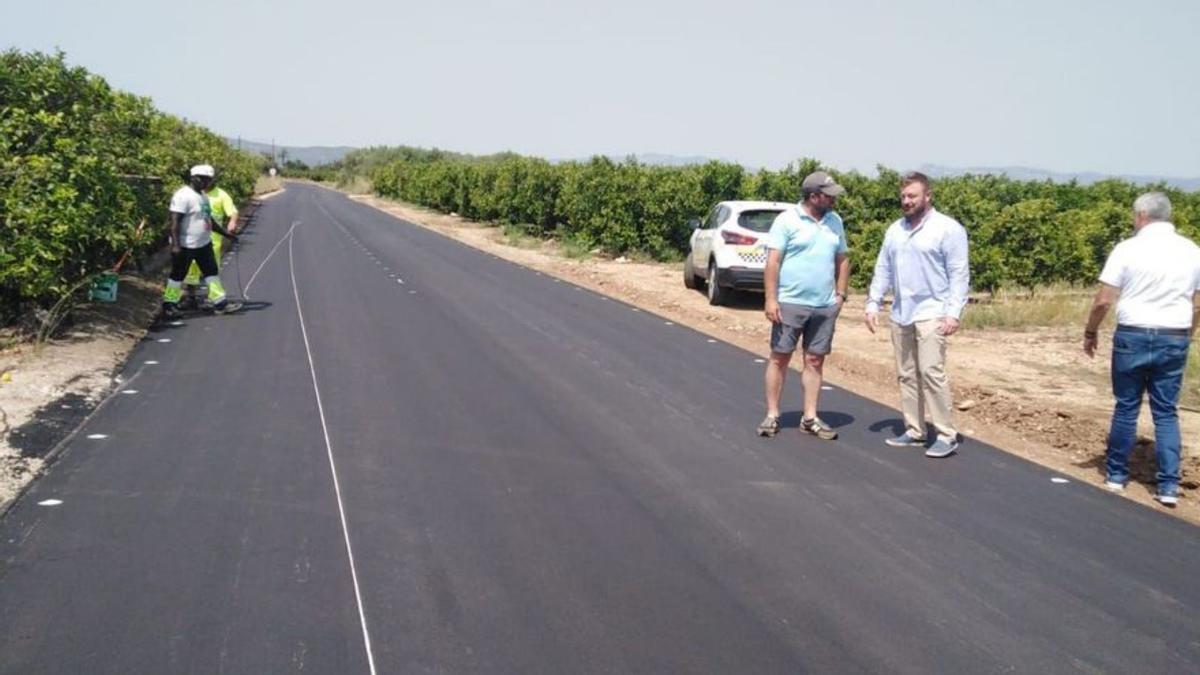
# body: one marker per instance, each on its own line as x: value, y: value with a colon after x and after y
x: 203, y: 170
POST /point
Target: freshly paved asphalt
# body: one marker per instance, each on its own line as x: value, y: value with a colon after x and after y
x: 410, y: 456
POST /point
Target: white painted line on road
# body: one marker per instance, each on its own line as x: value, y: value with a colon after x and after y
x: 635, y: 309
x: 312, y: 369
x: 399, y: 280
x: 760, y: 360
x: 163, y: 340
x: 177, y: 323
x: 50, y: 502
x: 711, y: 340
x: 151, y: 363
x: 288, y: 236
x: 1060, y: 481
x: 129, y: 391
x: 97, y: 437
x: 826, y: 388
x: 668, y: 323
x: 412, y: 292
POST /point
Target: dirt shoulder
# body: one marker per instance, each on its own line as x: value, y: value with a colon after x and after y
x: 1032, y: 393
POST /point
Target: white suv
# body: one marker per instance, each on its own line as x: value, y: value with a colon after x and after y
x: 728, y: 250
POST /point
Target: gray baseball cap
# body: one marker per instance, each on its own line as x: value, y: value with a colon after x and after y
x: 819, y: 181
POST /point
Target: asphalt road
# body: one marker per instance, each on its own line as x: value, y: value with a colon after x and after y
x: 409, y: 456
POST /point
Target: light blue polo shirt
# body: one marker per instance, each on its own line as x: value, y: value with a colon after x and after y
x: 810, y: 250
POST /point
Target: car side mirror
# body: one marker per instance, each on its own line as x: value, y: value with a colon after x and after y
x: 694, y: 224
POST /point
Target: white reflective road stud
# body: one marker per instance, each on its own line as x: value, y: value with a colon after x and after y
x: 826, y: 388
x: 668, y: 323
x: 97, y: 437
x: 129, y: 391
x: 50, y: 502
x: 163, y: 340
x: 711, y: 340
x: 151, y: 363
x: 1058, y: 480
x: 760, y: 360
x: 176, y: 323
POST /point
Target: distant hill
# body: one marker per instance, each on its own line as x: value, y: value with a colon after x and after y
x: 310, y: 155
x: 650, y: 158
x: 1084, y: 178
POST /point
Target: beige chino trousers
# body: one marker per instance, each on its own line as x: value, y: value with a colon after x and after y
x: 921, y: 371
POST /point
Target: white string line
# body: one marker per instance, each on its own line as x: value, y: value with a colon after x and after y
x: 362, y: 616
x: 246, y: 290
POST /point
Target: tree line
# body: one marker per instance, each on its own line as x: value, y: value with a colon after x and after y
x: 1024, y: 234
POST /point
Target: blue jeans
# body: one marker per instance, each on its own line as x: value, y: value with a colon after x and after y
x: 1146, y: 362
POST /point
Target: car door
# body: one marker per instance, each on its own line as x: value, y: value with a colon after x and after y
x: 702, y: 241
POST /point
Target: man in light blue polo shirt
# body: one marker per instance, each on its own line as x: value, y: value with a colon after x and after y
x: 924, y: 263
x: 805, y: 282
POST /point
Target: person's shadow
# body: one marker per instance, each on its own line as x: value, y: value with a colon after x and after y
x: 836, y: 420
x: 893, y: 425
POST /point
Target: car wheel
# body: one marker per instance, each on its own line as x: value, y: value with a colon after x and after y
x: 716, y: 294
x: 689, y: 273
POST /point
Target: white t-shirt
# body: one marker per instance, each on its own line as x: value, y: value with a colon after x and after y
x: 197, y: 217
x: 1157, y: 271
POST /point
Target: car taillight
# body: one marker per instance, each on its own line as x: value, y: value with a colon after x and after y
x: 738, y: 239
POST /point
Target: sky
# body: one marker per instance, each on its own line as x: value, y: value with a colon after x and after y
x: 1061, y: 85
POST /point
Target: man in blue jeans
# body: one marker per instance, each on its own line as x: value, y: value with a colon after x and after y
x: 1154, y: 279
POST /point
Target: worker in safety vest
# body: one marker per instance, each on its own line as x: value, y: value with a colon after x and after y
x: 224, y: 212
x: 190, y: 236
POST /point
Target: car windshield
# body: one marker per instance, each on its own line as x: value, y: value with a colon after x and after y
x: 758, y: 221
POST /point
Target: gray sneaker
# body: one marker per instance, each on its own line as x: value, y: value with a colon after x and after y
x: 819, y: 429
x: 768, y: 427
x: 1166, y: 498
x: 942, y: 447
x: 905, y: 440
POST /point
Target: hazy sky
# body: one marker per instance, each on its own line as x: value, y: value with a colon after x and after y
x: 1061, y: 85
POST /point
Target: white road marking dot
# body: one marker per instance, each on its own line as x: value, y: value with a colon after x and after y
x: 826, y: 388
x: 97, y: 437
x: 1059, y: 480
x: 668, y: 323
x: 152, y: 363
x: 635, y: 309
x: 129, y: 391
x: 176, y: 323
x: 50, y: 502
x: 711, y: 340
x: 163, y: 340
x: 760, y: 360
x: 399, y: 280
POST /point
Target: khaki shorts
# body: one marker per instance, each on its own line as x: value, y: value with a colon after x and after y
x: 810, y: 327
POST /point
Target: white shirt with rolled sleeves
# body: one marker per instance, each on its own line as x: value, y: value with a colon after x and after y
x: 926, y: 268
x: 1157, y: 272
x: 196, y: 213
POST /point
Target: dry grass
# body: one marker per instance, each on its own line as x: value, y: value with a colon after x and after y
x: 1043, y: 307
x: 359, y: 185
x: 1062, y: 306
x: 266, y: 184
